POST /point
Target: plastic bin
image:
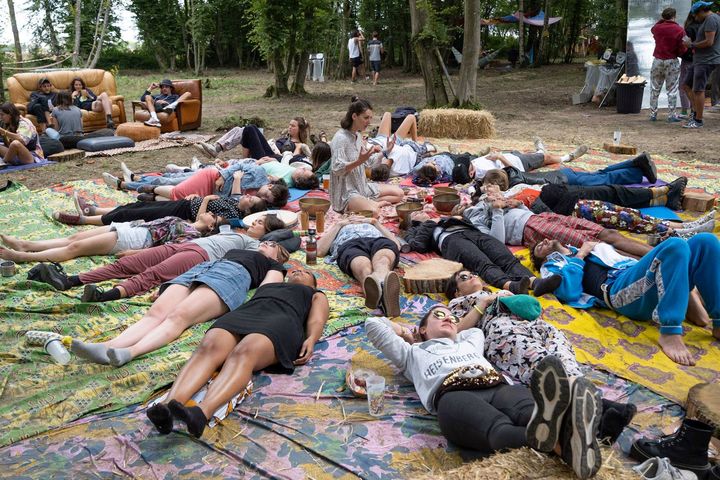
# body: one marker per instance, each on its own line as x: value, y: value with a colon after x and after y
x: 629, y: 97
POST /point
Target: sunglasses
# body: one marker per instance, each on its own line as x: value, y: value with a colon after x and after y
x: 269, y: 243
x: 464, y: 277
x: 441, y: 314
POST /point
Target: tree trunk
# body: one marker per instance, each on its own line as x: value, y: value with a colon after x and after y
x: 16, y: 35
x: 50, y: 27
x: 98, y: 49
x: 621, y: 14
x: 281, y: 76
x: 467, y: 86
x: 76, y: 44
x: 160, y: 59
x: 341, y: 71
x: 542, y: 51
x: 574, y: 30
x: 298, y: 84
x: 521, y: 34
x: 435, y: 94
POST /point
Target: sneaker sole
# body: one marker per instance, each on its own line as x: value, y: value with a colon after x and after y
x: 391, y: 295
x: 584, y: 415
x: 550, y: 388
x: 372, y: 292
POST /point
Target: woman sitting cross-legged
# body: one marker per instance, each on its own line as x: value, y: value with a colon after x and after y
x: 115, y: 238
x: 204, y: 292
x: 279, y: 326
x: 477, y: 410
x: 20, y: 144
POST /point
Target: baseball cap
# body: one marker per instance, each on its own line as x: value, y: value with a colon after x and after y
x: 698, y: 5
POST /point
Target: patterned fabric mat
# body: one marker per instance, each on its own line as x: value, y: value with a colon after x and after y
x: 166, y: 140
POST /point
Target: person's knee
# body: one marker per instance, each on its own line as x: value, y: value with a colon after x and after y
x: 609, y: 236
x: 704, y: 241
x: 208, y: 346
x: 16, y: 145
x: 179, y: 319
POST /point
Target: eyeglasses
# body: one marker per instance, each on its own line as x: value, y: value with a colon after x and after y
x: 464, y: 277
x: 437, y: 313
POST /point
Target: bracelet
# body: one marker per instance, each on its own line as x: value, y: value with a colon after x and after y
x: 479, y: 310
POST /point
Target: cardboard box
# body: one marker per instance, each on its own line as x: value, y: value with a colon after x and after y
x: 698, y: 202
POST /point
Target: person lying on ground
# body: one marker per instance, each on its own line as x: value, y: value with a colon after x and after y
x: 512, y: 223
x: 657, y: 286
x: 515, y: 345
x: 278, y: 327
x: 110, y: 240
x: 477, y: 410
x: 20, y: 141
x: 146, y: 269
x: 41, y: 104
x: 189, y: 209
x: 457, y: 240
x: 158, y: 108
x: 400, y: 152
x: 254, y: 145
x: 85, y: 99
x: 300, y: 176
x: 368, y: 252
x: 349, y: 188
x: 204, y: 292
x: 624, y: 173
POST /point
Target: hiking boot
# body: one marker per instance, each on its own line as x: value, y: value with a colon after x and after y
x: 687, y: 448
x: 550, y: 388
x: 662, y: 469
x: 82, y: 206
x: 153, y: 122
x: 207, y: 149
x: 676, y: 193
x: 111, y: 180
x: 50, y: 273
x: 578, y: 436
x: 373, y: 292
x: 646, y: 166
x: 390, y: 297
x: 67, y: 218
x: 91, y: 294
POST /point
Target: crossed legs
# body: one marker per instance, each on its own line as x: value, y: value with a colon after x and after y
x: 16, y: 154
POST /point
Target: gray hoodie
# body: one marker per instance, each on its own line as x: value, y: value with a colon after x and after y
x: 427, y: 364
x: 507, y: 225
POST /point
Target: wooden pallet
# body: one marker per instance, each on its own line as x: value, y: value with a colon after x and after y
x: 67, y: 155
x: 621, y: 149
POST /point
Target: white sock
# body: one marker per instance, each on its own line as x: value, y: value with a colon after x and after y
x: 153, y: 116
x: 172, y: 105
x: 566, y: 158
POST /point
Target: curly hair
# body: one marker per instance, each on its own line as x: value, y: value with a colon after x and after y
x: 380, y: 173
x: 311, y: 182
x: 280, y: 193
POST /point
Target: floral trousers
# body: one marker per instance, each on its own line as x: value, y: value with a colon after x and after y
x: 667, y: 72
x: 618, y: 218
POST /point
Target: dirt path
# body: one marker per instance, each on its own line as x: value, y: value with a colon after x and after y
x: 525, y: 102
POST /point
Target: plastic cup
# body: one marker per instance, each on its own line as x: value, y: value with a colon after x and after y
x: 225, y: 229
x: 617, y: 137
x: 375, y: 387
x: 326, y: 182
x: 57, y: 351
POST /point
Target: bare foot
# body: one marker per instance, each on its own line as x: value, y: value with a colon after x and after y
x: 675, y: 349
x: 7, y: 254
x: 696, y: 313
x: 12, y: 242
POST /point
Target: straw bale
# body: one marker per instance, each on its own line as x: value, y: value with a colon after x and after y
x: 456, y: 123
x: 526, y: 464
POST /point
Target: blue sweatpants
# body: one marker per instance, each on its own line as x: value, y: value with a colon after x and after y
x: 658, y: 286
x: 174, y: 178
x: 623, y: 173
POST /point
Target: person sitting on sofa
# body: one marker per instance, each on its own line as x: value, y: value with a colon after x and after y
x: 165, y: 102
x: 85, y: 99
x: 41, y: 103
x: 20, y: 144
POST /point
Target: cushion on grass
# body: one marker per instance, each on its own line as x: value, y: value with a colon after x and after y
x: 99, y: 144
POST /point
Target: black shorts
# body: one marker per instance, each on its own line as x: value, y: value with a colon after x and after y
x: 375, y: 65
x: 86, y: 105
x: 364, y: 247
x: 356, y: 61
x: 697, y: 76
x: 530, y: 161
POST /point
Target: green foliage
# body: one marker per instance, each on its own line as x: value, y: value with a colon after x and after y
x: 123, y: 58
x: 157, y: 22
x: 230, y: 121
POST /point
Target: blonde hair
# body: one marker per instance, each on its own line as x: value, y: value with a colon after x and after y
x: 282, y: 254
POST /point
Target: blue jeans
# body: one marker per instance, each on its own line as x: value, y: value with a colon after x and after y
x: 658, y: 286
x: 166, y: 179
x: 623, y: 173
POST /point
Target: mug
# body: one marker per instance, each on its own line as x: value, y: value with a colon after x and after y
x: 7, y: 268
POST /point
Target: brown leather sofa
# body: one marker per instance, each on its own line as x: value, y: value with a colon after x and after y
x: 21, y: 85
x: 188, y: 115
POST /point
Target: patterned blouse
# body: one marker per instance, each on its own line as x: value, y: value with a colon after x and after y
x: 222, y: 207
x: 168, y: 230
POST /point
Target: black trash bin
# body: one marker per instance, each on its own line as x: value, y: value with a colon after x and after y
x: 629, y: 97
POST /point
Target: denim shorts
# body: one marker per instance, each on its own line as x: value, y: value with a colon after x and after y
x: 229, y: 280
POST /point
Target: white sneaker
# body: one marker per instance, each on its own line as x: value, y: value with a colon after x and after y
x: 661, y: 469
x: 153, y: 122
x: 195, y: 164
x: 127, y: 173
x: 578, y: 152
x: 539, y: 145
x: 207, y: 149
x: 700, y: 221
x: 172, y: 168
x: 111, y: 181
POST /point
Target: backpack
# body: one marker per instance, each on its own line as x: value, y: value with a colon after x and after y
x: 399, y: 115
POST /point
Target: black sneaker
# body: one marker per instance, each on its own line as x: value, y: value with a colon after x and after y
x: 646, y: 166
x: 676, y: 193
x: 578, y: 436
x: 50, y: 273
x: 146, y: 197
x: 91, y: 294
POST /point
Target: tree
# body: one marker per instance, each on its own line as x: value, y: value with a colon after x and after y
x: 426, y: 36
x: 99, y: 37
x: 467, y: 86
x: 16, y: 35
x: 157, y: 22
x: 78, y: 29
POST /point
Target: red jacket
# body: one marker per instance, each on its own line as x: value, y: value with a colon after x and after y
x: 668, y: 40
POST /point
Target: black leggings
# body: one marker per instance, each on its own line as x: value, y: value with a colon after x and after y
x: 487, y: 420
x: 485, y: 255
x: 562, y: 198
x: 38, y: 109
x: 255, y: 142
x: 149, y: 211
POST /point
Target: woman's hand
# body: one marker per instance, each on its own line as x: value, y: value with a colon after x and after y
x: 191, y: 196
x: 75, y: 93
x: 210, y: 198
x: 306, y: 352
x: 391, y: 143
x: 237, y: 175
x: 365, y: 153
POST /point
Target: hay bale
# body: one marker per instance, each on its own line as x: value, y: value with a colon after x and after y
x: 456, y: 123
x: 524, y: 463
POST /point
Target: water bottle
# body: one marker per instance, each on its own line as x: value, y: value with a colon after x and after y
x: 57, y: 351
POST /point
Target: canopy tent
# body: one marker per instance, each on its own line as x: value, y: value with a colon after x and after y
x: 535, y: 21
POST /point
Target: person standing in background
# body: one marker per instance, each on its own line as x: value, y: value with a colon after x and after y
x: 691, y: 27
x: 356, y: 38
x: 375, y: 53
x: 666, y: 65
